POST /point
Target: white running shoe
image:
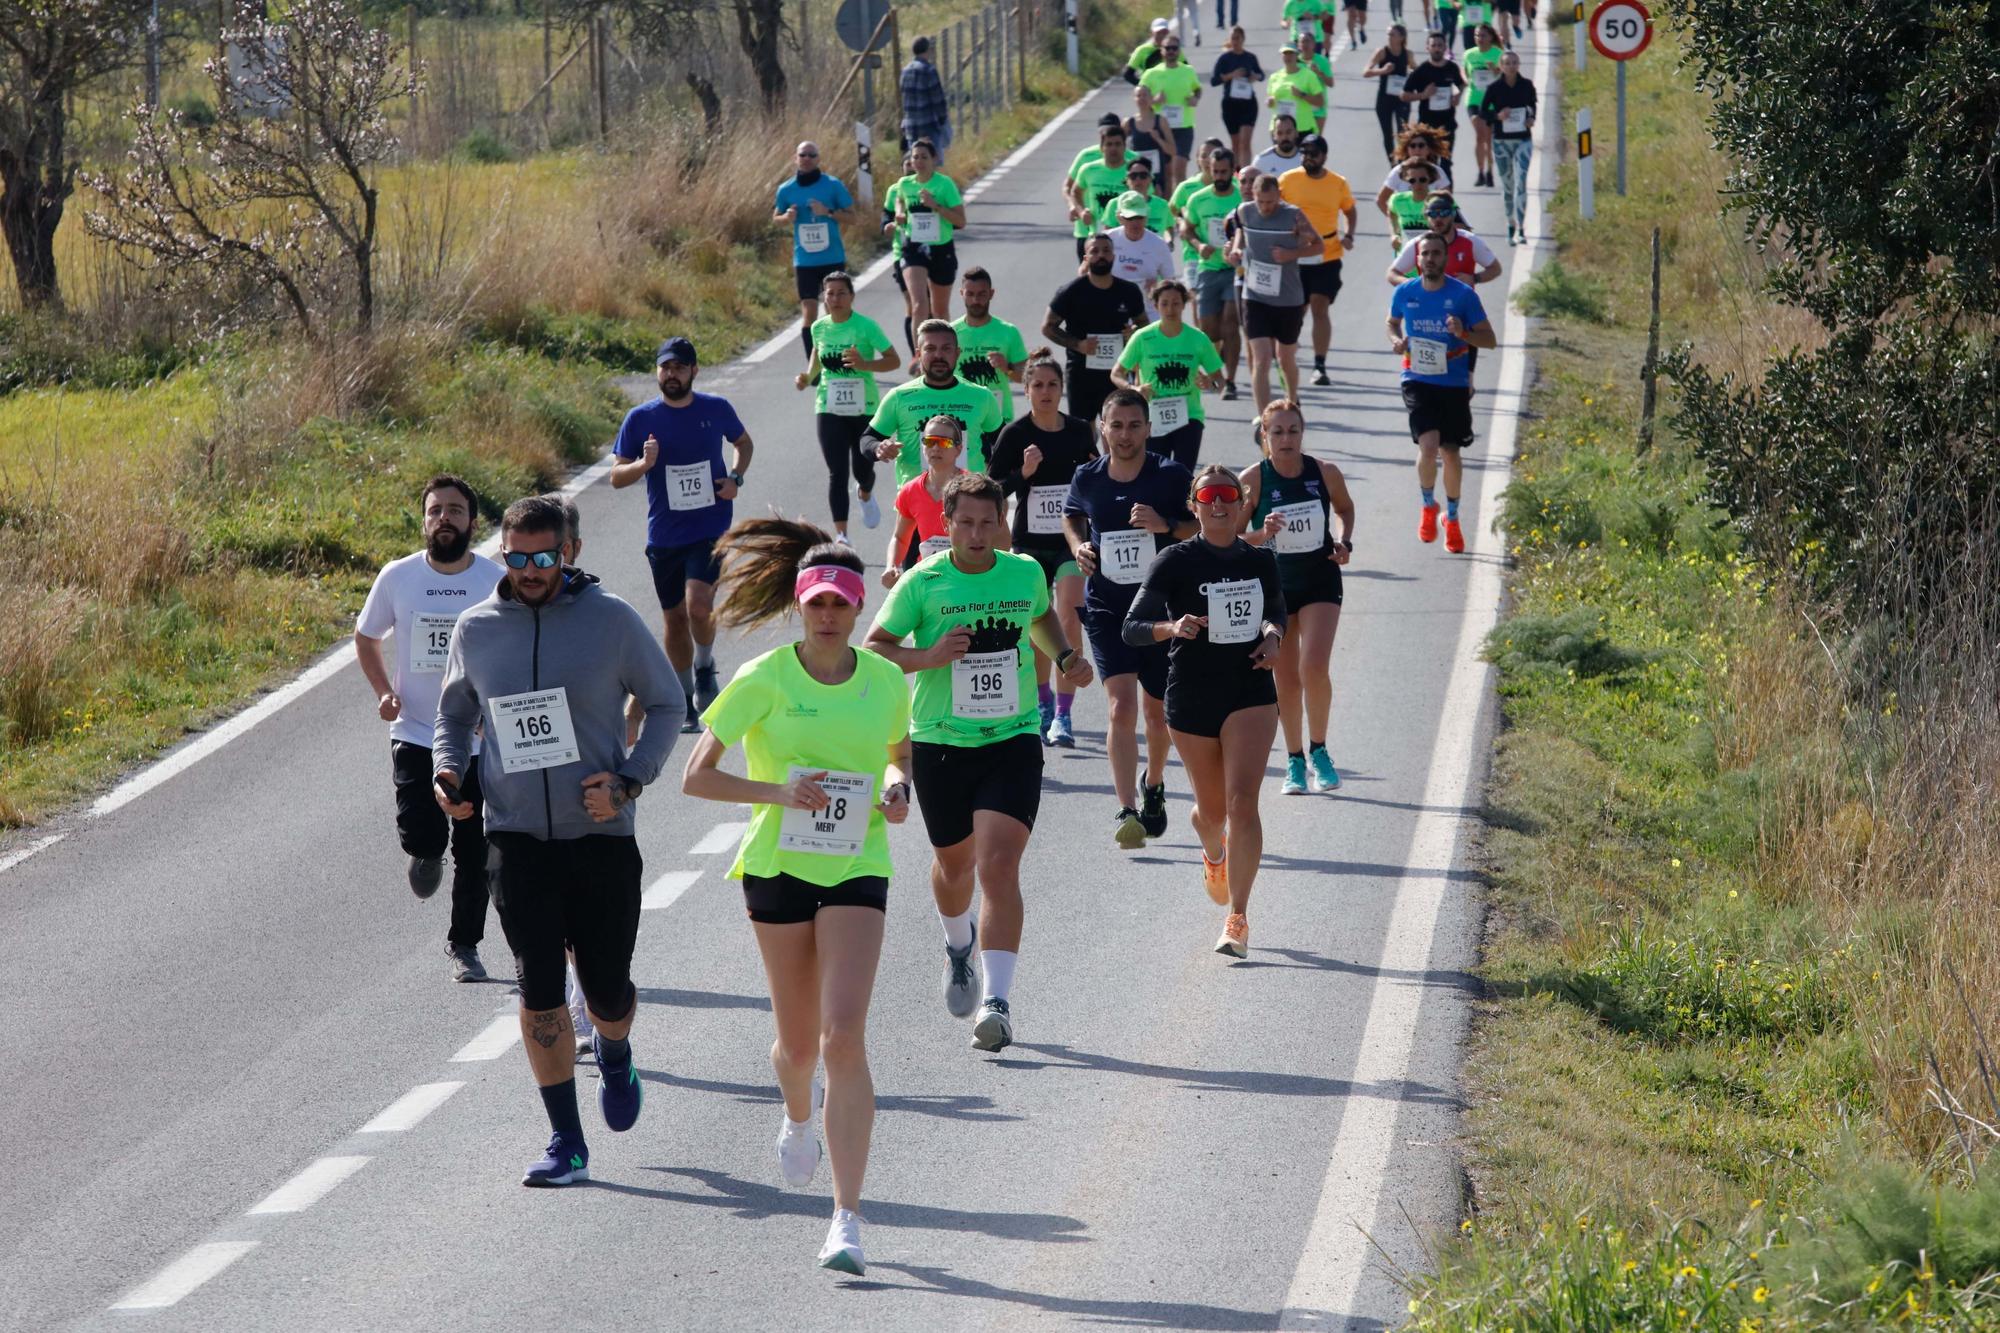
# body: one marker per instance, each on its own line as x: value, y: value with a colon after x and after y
x: 871, y: 513
x: 842, y: 1251
x: 579, y: 1012
x: 798, y: 1152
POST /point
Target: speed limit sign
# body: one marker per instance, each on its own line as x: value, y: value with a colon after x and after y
x: 1620, y: 29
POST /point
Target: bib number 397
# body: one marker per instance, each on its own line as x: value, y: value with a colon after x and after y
x: 986, y: 685
x: 840, y: 828
x: 1235, y: 611
x: 533, y: 730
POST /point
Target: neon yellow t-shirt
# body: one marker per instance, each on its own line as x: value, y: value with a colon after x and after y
x: 1288, y: 88
x: 943, y: 189
x: 989, y: 694
x: 1173, y: 85
x: 786, y: 721
x: 1169, y: 364
x: 1482, y: 71
x: 1209, y: 213
x: 1101, y: 185
x: 904, y: 409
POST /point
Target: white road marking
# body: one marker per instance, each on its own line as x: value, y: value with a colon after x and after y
x: 1337, y: 1246
x: 493, y: 1042
x: 186, y: 1273
x: 309, y: 1186
x: 667, y: 889
x: 410, y: 1108
x: 721, y: 838
x: 20, y: 854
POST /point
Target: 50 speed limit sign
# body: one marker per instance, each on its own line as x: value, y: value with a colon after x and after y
x: 1620, y: 29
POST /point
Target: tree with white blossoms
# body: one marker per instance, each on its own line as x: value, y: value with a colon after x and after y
x: 280, y: 189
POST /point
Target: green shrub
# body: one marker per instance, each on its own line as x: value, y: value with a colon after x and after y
x: 1702, y: 985
x: 194, y: 109
x: 485, y: 147
x: 1556, y: 293
x: 1543, y: 509
x: 1574, y: 641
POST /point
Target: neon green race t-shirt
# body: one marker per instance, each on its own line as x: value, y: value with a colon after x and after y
x: 989, y: 694
x: 1169, y: 364
x: 995, y: 335
x: 1209, y: 212
x: 1177, y: 205
x: 1288, y: 88
x: 1408, y: 211
x: 1173, y: 85
x: 943, y: 189
x: 1474, y: 62
x: 904, y: 409
x: 831, y: 341
x: 1101, y: 186
x: 787, y: 721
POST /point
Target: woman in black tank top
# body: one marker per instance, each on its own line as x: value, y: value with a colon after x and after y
x: 1392, y: 113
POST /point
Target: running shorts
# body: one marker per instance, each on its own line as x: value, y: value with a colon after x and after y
x: 953, y: 781
x: 582, y: 893
x: 1184, y: 142
x: 1507, y: 6
x: 1182, y: 445
x: 940, y: 259
x: 808, y: 277
x: 787, y: 900
x: 1440, y: 408
x: 1322, y: 585
x: 674, y: 567
x: 1199, y: 705
x: 1279, y: 322
x: 1055, y: 561
x: 1214, y: 291
x: 1115, y: 657
x: 1240, y: 113
x: 1321, y: 279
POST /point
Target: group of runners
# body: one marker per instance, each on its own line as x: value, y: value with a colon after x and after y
x: 1075, y: 537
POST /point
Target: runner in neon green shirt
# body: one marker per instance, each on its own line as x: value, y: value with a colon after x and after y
x: 1177, y: 204
x: 848, y: 349
x: 990, y: 350
x: 1205, y: 224
x: 1095, y: 179
x: 1481, y: 63
x: 971, y: 614
x: 1139, y: 180
x: 1299, y: 89
x: 825, y: 733
x: 1174, y: 88
x: 1171, y: 362
x: 899, y: 418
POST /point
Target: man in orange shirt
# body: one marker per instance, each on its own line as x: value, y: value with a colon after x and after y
x: 1326, y: 201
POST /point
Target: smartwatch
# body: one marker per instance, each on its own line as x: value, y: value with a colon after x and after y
x: 736, y: 477
x: 631, y: 787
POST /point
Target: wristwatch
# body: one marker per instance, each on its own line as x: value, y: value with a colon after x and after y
x: 1062, y: 658
x: 630, y: 787
x: 736, y: 478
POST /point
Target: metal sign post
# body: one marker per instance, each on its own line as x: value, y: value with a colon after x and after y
x: 1069, y: 22
x: 1586, y: 170
x: 1620, y: 30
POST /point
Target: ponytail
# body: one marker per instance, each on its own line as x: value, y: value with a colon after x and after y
x: 761, y: 559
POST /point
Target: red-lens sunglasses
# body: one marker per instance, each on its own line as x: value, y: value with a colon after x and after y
x: 1209, y: 495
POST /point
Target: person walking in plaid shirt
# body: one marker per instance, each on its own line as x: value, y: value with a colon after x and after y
x: 925, y: 112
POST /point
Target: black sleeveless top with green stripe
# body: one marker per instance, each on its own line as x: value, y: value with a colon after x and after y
x: 1299, y: 497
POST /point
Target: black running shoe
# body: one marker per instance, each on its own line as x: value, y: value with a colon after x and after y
x: 426, y: 873
x: 1153, y: 809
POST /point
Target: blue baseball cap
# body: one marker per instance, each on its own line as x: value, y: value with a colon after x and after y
x: 675, y: 349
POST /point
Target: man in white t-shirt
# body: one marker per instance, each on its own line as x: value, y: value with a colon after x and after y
x: 418, y: 598
x: 1283, y: 153
x: 1138, y: 255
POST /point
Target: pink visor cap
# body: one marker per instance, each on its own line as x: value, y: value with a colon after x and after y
x: 842, y: 582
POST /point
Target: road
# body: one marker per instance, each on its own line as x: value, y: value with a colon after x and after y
x: 217, y: 978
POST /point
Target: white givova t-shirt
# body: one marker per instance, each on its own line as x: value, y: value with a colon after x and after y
x: 420, y: 607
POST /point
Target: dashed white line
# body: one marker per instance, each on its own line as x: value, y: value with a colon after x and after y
x: 721, y: 838
x: 20, y: 854
x: 493, y: 1042
x: 667, y: 889
x: 309, y: 1186
x: 408, y: 1110
x: 186, y: 1273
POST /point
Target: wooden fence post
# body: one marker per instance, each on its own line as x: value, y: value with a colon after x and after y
x: 1649, y: 373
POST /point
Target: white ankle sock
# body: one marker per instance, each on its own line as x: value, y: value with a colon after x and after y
x: 957, y: 929
x: 704, y: 655
x: 999, y: 969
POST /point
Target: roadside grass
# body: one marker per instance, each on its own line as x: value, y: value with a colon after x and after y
x: 214, y: 520
x: 1715, y: 952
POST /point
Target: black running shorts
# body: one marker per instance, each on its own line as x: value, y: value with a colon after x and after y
x: 953, y: 781
x: 787, y: 900
x: 582, y: 893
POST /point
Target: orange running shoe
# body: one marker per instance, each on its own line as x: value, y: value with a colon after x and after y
x: 1427, y: 524
x: 1215, y: 876
x: 1235, y: 938
x: 1454, y: 537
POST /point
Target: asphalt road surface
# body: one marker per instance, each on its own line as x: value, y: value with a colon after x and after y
x: 245, y: 1093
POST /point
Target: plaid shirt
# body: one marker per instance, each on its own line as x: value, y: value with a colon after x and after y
x: 924, y: 107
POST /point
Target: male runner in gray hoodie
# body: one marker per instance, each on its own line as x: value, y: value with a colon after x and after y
x: 545, y: 664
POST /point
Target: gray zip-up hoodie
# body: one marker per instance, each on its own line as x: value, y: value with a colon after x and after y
x: 596, y: 649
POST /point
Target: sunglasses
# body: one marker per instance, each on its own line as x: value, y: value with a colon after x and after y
x: 1171, y: 50
x: 941, y: 441
x: 808, y: 154
x: 540, y: 559
x: 1218, y: 494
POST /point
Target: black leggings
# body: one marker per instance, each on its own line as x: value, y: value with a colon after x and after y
x: 840, y: 442
x: 1392, y: 116
x: 1183, y: 445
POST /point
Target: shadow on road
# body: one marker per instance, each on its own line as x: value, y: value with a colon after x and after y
x: 945, y: 1106
x: 1129, y: 1314
x: 1228, y: 1080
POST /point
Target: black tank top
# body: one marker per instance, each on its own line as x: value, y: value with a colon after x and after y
x: 1295, y: 494
x: 1401, y: 65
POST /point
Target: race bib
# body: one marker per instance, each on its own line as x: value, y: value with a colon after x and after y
x: 844, y: 398
x: 1304, y: 532
x: 1285, y: 106
x: 1441, y: 97
x: 1428, y: 356
x: 1173, y: 114
x: 690, y: 487
x: 1104, y: 350
x: 1152, y: 155
x: 1235, y: 611
x: 1239, y: 87
x: 1045, y: 510
x: 1482, y: 79
x: 430, y: 642
x: 1266, y: 279
x: 814, y: 236
x: 926, y: 228
x: 838, y: 830
x: 1396, y: 83
x: 1122, y: 555
x: 1514, y: 120
x: 930, y: 546
x: 986, y: 685
x: 1168, y: 414
x: 533, y: 730
x: 1218, y: 232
